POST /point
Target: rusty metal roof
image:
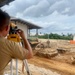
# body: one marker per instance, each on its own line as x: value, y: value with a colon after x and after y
x: 4, y: 2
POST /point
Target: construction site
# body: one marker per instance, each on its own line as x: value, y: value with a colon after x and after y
x: 51, y: 57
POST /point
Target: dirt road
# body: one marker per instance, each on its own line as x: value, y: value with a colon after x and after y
x: 60, y: 67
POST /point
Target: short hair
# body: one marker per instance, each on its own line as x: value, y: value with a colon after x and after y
x: 3, y: 17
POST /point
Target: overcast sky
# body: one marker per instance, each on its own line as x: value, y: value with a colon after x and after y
x: 56, y: 16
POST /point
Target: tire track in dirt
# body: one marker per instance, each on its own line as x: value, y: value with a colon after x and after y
x: 51, y: 64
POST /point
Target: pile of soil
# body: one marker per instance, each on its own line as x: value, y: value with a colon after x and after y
x: 56, y: 47
x: 47, y: 53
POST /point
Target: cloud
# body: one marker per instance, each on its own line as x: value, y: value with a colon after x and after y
x: 52, y: 15
x: 39, y: 8
x: 19, y: 6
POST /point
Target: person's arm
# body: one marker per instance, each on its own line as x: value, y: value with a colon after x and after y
x: 28, y: 52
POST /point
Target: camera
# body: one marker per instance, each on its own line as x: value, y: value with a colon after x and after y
x: 13, y: 28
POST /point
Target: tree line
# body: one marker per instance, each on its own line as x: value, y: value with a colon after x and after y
x: 56, y: 36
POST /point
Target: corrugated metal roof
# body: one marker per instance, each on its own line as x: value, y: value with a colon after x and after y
x: 30, y: 25
x: 4, y: 2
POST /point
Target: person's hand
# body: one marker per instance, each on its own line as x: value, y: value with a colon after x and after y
x: 21, y: 33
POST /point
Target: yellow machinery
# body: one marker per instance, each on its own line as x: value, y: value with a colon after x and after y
x: 13, y: 36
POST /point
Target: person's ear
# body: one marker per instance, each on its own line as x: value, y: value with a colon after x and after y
x: 6, y: 28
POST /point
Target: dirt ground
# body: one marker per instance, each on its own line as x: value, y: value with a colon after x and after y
x: 54, y: 65
x: 61, y: 63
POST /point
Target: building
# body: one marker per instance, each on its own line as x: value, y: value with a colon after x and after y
x: 25, y: 26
